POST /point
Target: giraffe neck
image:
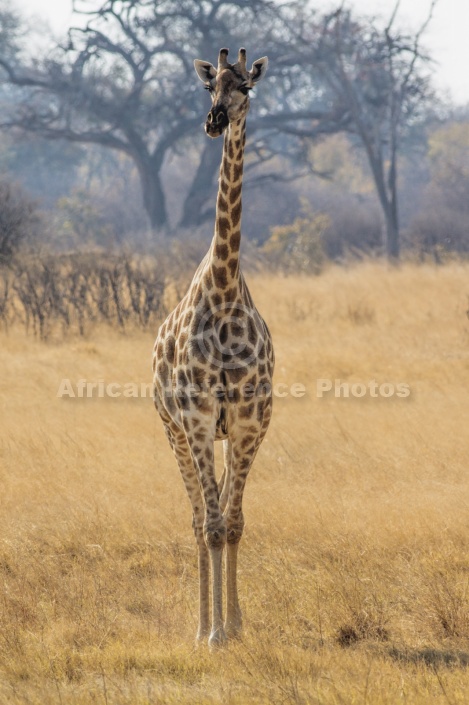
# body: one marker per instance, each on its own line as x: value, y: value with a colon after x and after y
x: 224, y: 251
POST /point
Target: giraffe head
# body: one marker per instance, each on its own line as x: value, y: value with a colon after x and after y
x: 229, y: 86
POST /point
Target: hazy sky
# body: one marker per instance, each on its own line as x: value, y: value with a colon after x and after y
x: 446, y: 38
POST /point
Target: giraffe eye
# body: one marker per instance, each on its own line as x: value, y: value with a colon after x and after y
x: 244, y: 89
x: 208, y: 87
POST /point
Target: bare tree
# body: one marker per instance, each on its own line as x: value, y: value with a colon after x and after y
x: 10, y: 32
x: 125, y: 81
x: 381, y: 74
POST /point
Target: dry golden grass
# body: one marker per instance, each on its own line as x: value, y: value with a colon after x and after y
x: 354, y: 565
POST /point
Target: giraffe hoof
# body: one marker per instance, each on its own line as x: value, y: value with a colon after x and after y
x: 217, y: 638
x: 201, y: 637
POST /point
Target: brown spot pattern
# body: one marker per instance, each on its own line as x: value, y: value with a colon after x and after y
x: 222, y: 205
x: 220, y: 277
x: 235, y: 193
x: 223, y: 227
x: 245, y: 412
x: 235, y: 239
x: 237, y: 172
x: 236, y: 214
x: 222, y: 251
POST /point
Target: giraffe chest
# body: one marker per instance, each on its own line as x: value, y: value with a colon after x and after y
x: 213, y: 353
x: 220, y: 338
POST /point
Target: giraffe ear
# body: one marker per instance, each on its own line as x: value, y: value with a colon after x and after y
x: 258, y: 69
x: 205, y: 71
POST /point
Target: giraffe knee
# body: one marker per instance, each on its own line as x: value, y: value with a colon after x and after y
x: 215, y: 536
x: 235, y: 531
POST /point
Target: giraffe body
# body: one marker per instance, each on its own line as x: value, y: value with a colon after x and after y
x: 213, y: 363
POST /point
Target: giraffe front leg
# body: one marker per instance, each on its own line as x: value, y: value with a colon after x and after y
x: 204, y: 573
x: 181, y: 450
x: 234, y: 617
x: 214, y: 532
x: 234, y: 526
x: 215, y: 539
x: 217, y: 635
x: 224, y: 484
x: 193, y: 490
x: 240, y: 465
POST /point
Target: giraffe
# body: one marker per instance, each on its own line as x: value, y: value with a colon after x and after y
x: 213, y: 363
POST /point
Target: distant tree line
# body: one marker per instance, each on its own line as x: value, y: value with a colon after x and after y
x: 123, y: 79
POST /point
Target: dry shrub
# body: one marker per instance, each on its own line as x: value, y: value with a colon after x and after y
x: 69, y: 293
x: 361, y: 313
x: 439, y: 231
x: 298, y: 247
x: 446, y: 598
x: 362, y: 627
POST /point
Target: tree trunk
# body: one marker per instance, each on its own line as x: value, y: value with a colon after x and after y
x: 392, y: 244
x: 388, y: 202
x: 392, y: 218
x: 201, y: 187
x: 154, y: 200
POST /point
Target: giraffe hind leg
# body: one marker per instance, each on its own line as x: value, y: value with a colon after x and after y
x: 180, y: 447
x: 214, y: 525
x: 233, y: 620
x: 240, y: 464
x: 224, y: 483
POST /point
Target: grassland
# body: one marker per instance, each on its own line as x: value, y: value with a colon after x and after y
x: 355, y: 561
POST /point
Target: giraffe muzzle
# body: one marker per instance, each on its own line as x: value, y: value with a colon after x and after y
x: 217, y: 121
